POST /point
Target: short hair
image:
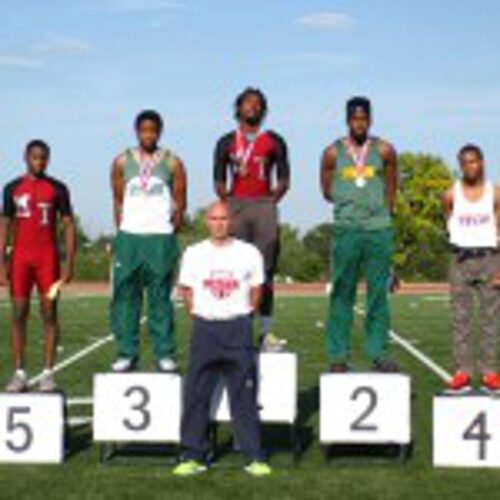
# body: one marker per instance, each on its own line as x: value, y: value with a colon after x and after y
x: 149, y: 115
x: 471, y: 148
x: 358, y: 102
x: 38, y: 143
x: 248, y: 92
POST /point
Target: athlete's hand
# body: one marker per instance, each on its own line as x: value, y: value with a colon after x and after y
x: 67, y: 275
x: 4, y: 274
x: 177, y: 219
x: 495, y: 280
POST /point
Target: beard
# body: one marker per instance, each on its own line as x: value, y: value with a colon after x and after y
x: 253, y: 121
x: 359, y: 138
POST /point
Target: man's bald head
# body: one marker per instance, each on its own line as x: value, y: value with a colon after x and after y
x: 218, y: 207
x: 218, y: 220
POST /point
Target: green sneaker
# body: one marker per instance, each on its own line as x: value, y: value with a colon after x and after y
x: 189, y: 468
x: 258, y: 469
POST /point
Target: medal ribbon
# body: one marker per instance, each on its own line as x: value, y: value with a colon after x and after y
x: 358, y: 155
x: 146, y: 167
x: 244, y: 150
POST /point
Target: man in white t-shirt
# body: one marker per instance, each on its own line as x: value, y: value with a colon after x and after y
x: 472, y: 207
x: 221, y: 281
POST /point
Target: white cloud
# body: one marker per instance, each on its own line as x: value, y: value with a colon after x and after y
x: 62, y: 44
x: 143, y: 5
x: 21, y: 62
x: 327, y: 20
x: 38, y: 54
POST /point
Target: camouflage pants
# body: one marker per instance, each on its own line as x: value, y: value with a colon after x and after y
x: 470, y: 277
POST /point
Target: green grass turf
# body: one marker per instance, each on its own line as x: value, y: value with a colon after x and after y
x: 423, y: 321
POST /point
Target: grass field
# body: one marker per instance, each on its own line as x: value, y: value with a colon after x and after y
x: 421, y: 319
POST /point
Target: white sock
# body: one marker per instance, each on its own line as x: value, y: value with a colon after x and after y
x: 21, y: 373
x: 47, y: 371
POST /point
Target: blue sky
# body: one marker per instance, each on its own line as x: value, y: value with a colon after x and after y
x: 76, y: 73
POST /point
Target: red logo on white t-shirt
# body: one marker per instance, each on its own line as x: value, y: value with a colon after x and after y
x: 474, y: 219
x: 221, y: 284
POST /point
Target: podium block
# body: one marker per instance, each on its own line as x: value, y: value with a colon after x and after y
x: 137, y: 407
x: 365, y: 408
x: 466, y: 431
x: 31, y: 428
x: 276, y: 390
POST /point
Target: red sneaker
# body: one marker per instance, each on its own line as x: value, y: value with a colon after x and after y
x: 490, y: 383
x: 460, y: 383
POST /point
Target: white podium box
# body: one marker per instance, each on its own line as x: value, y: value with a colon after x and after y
x: 276, y: 390
x: 31, y: 428
x: 365, y: 408
x: 137, y: 407
x: 466, y: 431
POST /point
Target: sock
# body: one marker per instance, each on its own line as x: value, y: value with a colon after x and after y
x: 21, y: 373
x: 47, y: 371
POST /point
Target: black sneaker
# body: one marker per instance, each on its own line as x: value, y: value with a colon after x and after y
x: 339, y: 367
x: 385, y: 366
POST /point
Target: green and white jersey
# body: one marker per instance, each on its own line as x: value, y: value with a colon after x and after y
x: 360, y: 206
x: 147, y: 198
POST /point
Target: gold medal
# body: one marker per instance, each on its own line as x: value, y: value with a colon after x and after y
x: 360, y: 182
x: 359, y: 157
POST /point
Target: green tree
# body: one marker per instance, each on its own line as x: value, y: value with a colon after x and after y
x: 193, y: 230
x: 421, y: 250
x: 318, y: 241
x: 295, y: 260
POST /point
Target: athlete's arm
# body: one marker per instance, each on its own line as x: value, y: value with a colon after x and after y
x: 65, y: 211
x: 447, y: 203
x: 497, y: 214
x: 4, y: 234
x: 8, y: 211
x: 328, y: 161
x: 70, y: 246
x: 497, y: 203
x: 221, y: 162
x: 255, y: 297
x: 282, y: 168
x: 186, y: 280
x: 179, y: 183
x: 390, y: 159
x: 496, y: 274
x: 187, y: 296
x: 117, y: 185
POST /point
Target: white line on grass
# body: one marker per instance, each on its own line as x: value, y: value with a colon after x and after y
x: 74, y: 358
x: 416, y: 353
x: 435, y: 298
x: 79, y: 355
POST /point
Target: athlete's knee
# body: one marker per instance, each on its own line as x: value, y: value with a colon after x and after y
x: 48, y: 313
x: 20, y: 312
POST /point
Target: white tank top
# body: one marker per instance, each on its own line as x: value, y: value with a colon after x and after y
x: 473, y: 224
x: 147, y: 203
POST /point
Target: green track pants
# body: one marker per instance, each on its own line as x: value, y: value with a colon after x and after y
x: 355, y: 251
x: 143, y: 262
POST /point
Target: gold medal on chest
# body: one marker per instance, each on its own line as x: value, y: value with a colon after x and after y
x: 360, y: 182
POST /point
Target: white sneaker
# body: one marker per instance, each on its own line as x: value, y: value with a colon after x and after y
x: 122, y: 365
x: 47, y: 382
x: 167, y: 365
x: 18, y: 382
